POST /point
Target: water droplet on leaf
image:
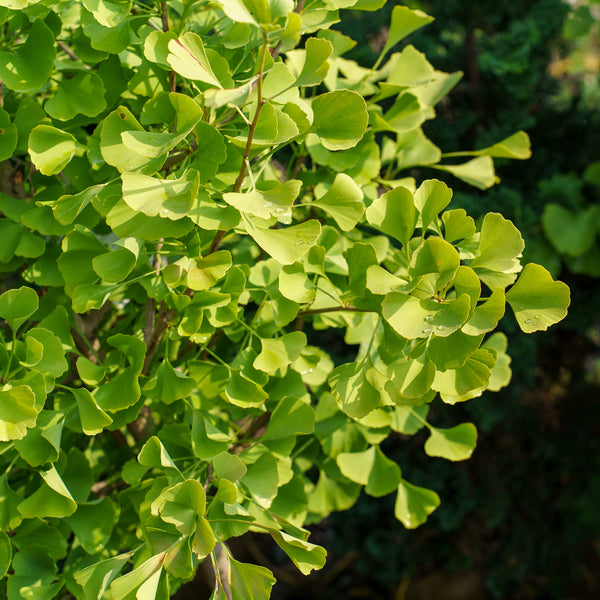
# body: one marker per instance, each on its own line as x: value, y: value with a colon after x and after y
x: 427, y: 330
x: 164, y: 211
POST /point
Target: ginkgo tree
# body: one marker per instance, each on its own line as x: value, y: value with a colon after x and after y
x: 224, y: 288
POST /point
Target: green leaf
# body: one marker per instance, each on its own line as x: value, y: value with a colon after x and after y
x: 181, y: 504
x: 343, y: 201
x: 93, y: 419
x: 8, y: 136
x: 51, y: 149
x: 414, y: 504
x: 18, y: 411
x: 207, y: 440
x: 125, y: 222
x: 53, y: 499
x: 431, y: 198
x: 277, y: 353
x: 108, y: 13
x: 372, y: 469
x: 457, y: 225
x: 453, y: 351
x: 96, y: 578
x: 142, y: 577
x: 52, y: 362
x: 92, y: 524
x: 478, y: 172
x: 169, y: 384
x: 27, y: 69
x: 10, y: 518
x: 81, y: 95
x: 187, y: 57
x: 306, y: 556
x: 238, y: 11
x: 409, y: 419
x: 262, y: 479
x: 168, y: 198
x: 154, y: 454
x: 355, y: 388
x: 500, y: 245
x: 114, y: 266
x: 229, y: 466
x: 485, y: 317
x: 516, y: 146
x: 466, y: 381
x: 287, y: 245
x: 34, y: 574
x: 249, y: 582
x: 5, y: 554
x: 340, y: 119
x: 17, y: 305
x: 67, y: 207
x: 413, y: 318
x: 273, y: 202
x: 295, y: 285
x: 394, y: 213
x: 438, y: 257
x: 404, y: 22
x: 244, y: 392
x: 42, y: 444
x: 112, y: 38
x: 116, y: 153
x: 290, y: 417
x: 537, y: 300
x: 456, y: 443
x: 501, y: 372
x: 310, y: 66
x: 413, y: 376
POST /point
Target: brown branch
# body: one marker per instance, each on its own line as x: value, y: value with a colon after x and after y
x: 164, y: 18
x: 277, y: 49
x: 142, y: 426
x: 149, y: 322
x: 237, y: 186
x: 162, y: 322
x: 69, y: 52
x: 217, y: 335
x: 344, y: 308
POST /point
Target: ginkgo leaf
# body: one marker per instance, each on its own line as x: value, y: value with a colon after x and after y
x: 414, y: 504
x: 537, y: 300
x: 456, y: 443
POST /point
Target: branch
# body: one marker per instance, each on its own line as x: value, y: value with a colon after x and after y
x: 69, y: 52
x: 162, y: 322
x: 237, y: 186
x: 344, y: 308
x: 164, y: 17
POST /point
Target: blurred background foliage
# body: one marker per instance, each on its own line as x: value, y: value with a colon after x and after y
x: 520, y: 520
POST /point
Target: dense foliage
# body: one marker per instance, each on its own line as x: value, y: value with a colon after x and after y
x: 519, y: 517
x: 199, y: 201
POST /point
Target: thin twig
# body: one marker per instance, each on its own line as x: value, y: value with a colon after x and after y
x: 68, y: 51
x: 237, y: 186
x: 164, y: 17
x: 162, y: 322
x: 344, y: 308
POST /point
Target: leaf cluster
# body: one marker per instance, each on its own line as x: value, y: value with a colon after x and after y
x: 208, y: 188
